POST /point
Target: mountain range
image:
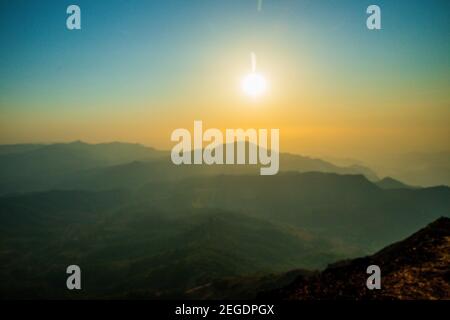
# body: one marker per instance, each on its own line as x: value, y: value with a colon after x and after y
x: 140, y: 227
x: 78, y: 165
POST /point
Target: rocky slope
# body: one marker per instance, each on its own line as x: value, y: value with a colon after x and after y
x: 417, y: 268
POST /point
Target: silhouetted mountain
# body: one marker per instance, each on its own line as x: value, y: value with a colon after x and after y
x: 415, y: 268
x: 390, y: 183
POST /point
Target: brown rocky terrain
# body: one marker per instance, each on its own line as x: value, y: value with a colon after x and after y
x: 417, y: 268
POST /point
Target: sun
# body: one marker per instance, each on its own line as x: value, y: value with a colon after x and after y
x: 254, y: 85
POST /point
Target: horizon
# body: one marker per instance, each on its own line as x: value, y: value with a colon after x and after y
x: 152, y: 146
x: 382, y: 170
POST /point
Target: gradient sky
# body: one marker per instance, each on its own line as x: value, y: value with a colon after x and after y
x: 139, y: 69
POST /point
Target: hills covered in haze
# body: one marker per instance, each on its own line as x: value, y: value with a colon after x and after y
x: 416, y: 168
x: 25, y: 168
x: 141, y: 227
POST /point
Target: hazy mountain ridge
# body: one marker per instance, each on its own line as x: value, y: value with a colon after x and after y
x: 417, y: 168
x: 78, y: 165
x: 43, y: 167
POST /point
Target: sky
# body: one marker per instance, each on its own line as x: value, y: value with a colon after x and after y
x: 137, y: 70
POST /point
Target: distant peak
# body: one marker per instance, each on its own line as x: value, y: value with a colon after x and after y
x: 391, y: 183
x: 77, y: 142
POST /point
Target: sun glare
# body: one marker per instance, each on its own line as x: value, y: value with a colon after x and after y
x: 254, y: 85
